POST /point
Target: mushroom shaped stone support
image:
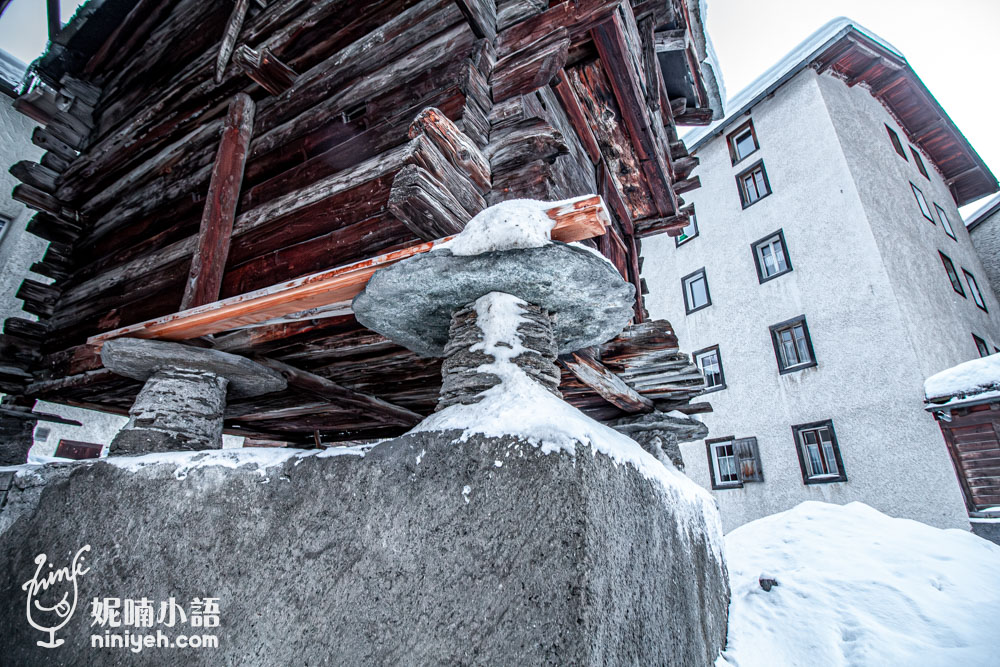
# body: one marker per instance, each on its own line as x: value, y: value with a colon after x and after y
x: 183, y: 401
x: 660, y: 433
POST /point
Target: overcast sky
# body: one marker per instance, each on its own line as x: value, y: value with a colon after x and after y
x: 953, y: 46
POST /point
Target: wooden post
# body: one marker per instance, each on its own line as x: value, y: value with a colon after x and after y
x: 229, y: 37
x: 55, y: 21
x: 209, y: 262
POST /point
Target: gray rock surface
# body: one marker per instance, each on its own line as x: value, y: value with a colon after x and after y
x: 422, y: 552
x: 139, y: 358
x: 411, y: 302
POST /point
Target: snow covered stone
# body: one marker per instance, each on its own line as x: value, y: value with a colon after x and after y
x: 971, y: 378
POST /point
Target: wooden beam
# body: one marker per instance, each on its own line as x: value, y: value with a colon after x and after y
x: 454, y: 145
x: 341, y: 396
x: 39, y: 416
x: 229, y: 38
x: 54, y: 20
x: 575, y: 219
x: 609, y: 386
x: 209, y: 261
x: 266, y: 69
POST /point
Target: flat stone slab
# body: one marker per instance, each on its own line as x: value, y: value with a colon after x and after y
x: 685, y: 428
x: 139, y: 358
x: 423, y: 552
x: 411, y: 302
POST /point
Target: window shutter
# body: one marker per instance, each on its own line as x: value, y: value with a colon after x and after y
x: 749, y: 459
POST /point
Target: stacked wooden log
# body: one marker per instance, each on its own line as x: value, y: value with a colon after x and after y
x: 360, y: 129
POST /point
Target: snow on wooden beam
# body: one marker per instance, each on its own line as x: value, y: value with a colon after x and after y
x: 209, y: 261
x: 575, y: 219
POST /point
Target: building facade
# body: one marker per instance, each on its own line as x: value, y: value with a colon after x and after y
x: 827, y: 274
x: 984, y: 230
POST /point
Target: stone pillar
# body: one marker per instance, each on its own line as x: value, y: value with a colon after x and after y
x: 182, y: 404
x: 462, y: 382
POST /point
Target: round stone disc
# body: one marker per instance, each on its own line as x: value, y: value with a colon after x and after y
x: 138, y: 358
x: 411, y: 302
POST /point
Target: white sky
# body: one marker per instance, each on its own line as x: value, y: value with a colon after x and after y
x: 951, y: 45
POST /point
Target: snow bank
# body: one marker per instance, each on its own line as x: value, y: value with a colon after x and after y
x: 856, y: 587
x: 520, y: 406
x: 966, y: 379
x: 516, y: 223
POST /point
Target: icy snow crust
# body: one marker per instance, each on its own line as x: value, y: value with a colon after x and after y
x: 520, y: 406
x: 966, y: 379
x: 856, y: 587
x: 516, y: 223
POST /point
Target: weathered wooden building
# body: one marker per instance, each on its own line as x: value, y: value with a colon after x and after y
x: 230, y: 173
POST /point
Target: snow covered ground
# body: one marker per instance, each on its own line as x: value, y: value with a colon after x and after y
x: 856, y: 587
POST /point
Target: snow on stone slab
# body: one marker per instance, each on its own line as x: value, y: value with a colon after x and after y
x: 966, y: 379
x: 857, y: 587
x: 522, y: 407
x: 515, y: 223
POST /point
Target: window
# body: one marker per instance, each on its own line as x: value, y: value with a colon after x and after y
x: 792, y: 345
x: 733, y: 462
x: 696, y: 294
x: 819, y: 454
x: 945, y: 222
x: 974, y: 290
x: 42, y: 433
x: 710, y: 362
x: 753, y: 184
x: 919, y: 162
x: 688, y: 232
x: 743, y: 142
x: 956, y: 284
x: 922, y: 202
x: 984, y: 349
x: 894, y: 138
x: 770, y: 255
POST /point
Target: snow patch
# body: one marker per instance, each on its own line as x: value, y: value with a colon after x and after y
x: 520, y: 406
x: 857, y: 587
x: 970, y: 378
x: 516, y: 223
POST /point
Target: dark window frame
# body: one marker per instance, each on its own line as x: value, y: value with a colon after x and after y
x: 896, y: 143
x: 917, y: 160
x: 981, y: 346
x: 775, y: 329
x: 710, y: 444
x: 922, y: 203
x: 759, y: 164
x: 722, y: 369
x: 945, y: 222
x: 949, y: 268
x: 751, y: 446
x: 708, y: 294
x: 692, y: 219
x: 761, y: 278
x: 828, y: 423
x: 731, y: 141
x: 977, y: 294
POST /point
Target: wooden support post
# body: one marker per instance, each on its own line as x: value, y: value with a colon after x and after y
x: 229, y: 37
x: 55, y: 21
x: 209, y: 262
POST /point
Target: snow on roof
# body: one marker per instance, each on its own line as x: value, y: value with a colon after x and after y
x: 707, y: 58
x: 991, y: 206
x: 856, y: 587
x: 972, y: 378
x: 796, y: 60
x: 11, y: 70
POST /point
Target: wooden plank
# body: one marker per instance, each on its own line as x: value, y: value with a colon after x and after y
x: 39, y: 416
x: 229, y: 37
x: 265, y: 68
x: 209, y: 260
x: 575, y: 220
x: 454, y: 145
x: 609, y: 386
x: 481, y: 15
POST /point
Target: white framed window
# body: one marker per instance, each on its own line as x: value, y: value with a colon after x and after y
x: 753, y: 184
x: 819, y: 453
x: 710, y: 362
x: 896, y: 143
x: 770, y: 256
x: 792, y: 345
x: 981, y: 346
x: 925, y: 210
x: 733, y: 462
x: 977, y: 296
x: 945, y: 222
x: 688, y: 232
x: 917, y: 160
x: 696, y: 295
x: 742, y: 142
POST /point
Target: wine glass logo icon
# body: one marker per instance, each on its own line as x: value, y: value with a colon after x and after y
x: 60, y: 580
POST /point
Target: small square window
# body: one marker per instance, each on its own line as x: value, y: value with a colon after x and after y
x: 710, y: 362
x: 42, y: 433
x: 743, y: 142
x: 733, y: 462
x: 984, y: 349
x: 770, y: 256
x: 792, y: 345
x: 819, y: 453
x: 696, y: 294
x: 919, y: 162
x: 688, y: 232
x: 956, y: 284
x: 894, y: 138
x: 977, y: 296
x: 753, y: 184
x: 922, y: 203
x: 945, y: 222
